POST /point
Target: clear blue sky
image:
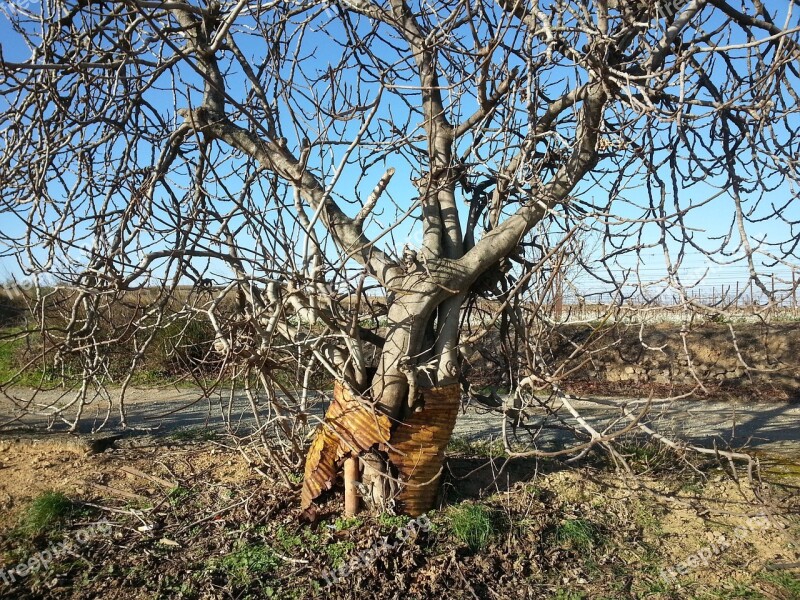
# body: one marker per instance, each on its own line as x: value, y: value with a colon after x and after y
x: 708, y: 222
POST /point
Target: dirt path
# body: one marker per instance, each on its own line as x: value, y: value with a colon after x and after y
x: 773, y: 427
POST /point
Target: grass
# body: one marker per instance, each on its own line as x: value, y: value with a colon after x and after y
x: 646, y: 454
x: 13, y: 346
x: 8, y: 349
x: 784, y: 580
x: 194, y: 434
x: 45, y: 513
x: 647, y: 518
x: 692, y: 487
x: 473, y: 524
x: 479, y: 448
x: 577, y: 533
x: 733, y: 591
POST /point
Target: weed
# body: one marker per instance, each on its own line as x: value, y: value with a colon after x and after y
x: 644, y: 454
x: 286, y: 541
x: 296, y: 478
x: 248, y: 560
x: 459, y: 445
x: 534, y: 491
x: 14, y: 346
x: 692, y: 487
x: 339, y: 552
x: 178, y: 495
x: 646, y: 518
x: 473, y: 524
x: 733, y: 591
x: 562, y: 594
x: 655, y: 587
x: 388, y: 521
x: 342, y: 523
x: 138, y: 504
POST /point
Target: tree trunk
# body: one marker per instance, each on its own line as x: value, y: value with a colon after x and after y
x: 411, y: 365
x: 415, y: 387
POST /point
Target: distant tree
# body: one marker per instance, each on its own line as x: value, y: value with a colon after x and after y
x: 295, y: 149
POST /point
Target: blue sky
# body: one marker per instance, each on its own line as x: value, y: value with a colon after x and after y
x: 707, y: 222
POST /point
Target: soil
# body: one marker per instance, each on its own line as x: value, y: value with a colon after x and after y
x: 195, y: 519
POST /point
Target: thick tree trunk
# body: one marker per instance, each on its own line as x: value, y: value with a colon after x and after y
x: 410, y: 365
x: 414, y: 388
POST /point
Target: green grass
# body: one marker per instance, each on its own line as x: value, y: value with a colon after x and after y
x: 45, y: 512
x: 477, y: 448
x: 646, y: 454
x: 645, y: 517
x: 12, y: 347
x: 784, y: 580
x: 8, y: 349
x: 733, y: 591
x: 473, y: 524
x: 693, y: 487
x: 577, y: 533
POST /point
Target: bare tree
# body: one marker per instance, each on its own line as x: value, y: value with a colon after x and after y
x: 287, y: 151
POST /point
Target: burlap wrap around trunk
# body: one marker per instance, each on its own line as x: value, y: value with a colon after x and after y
x: 415, y: 448
x: 350, y: 428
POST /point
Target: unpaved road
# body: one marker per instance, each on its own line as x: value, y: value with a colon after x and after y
x: 768, y: 426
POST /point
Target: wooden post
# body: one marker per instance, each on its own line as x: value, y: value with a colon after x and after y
x: 351, y: 499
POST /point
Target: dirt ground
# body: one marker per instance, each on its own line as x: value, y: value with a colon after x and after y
x: 192, y: 518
